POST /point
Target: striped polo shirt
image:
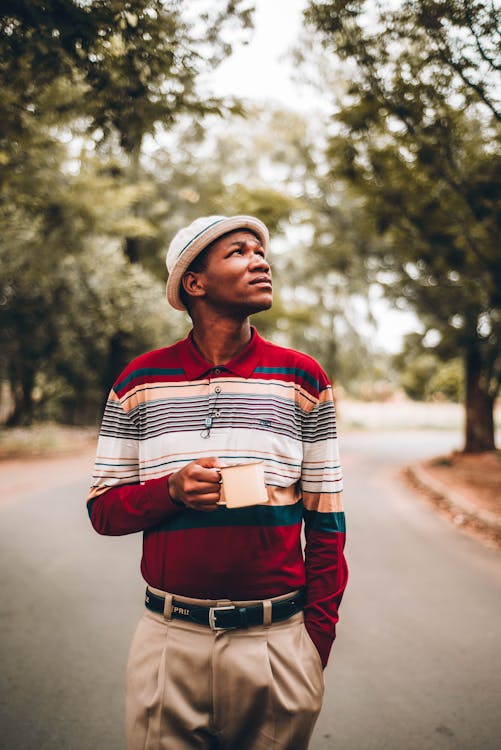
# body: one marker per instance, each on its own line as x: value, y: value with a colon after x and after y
x: 270, y: 404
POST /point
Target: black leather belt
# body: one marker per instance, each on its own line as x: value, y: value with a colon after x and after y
x: 226, y: 617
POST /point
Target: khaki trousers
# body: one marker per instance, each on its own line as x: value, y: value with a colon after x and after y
x: 191, y: 688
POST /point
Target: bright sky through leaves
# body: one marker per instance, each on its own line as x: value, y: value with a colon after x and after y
x: 262, y: 70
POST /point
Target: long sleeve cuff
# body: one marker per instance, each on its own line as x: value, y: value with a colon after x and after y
x: 322, y: 640
x: 130, y: 508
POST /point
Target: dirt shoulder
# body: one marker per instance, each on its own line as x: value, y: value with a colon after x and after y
x: 44, y: 455
x: 466, y: 488
x: 46, y: 440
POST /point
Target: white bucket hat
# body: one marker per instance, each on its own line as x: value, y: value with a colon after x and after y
x: 191, y: 240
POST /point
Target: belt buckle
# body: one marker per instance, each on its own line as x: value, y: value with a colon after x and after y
x: 213, y: 614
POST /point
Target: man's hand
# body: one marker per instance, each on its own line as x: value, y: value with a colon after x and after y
x: 197, y: 485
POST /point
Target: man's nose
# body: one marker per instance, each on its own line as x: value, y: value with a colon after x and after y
x: 258, y: 260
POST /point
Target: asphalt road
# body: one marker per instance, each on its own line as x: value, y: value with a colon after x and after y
x: 416, y: 665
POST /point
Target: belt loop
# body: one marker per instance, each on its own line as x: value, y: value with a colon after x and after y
x: 168, y: 607
x: 267, y: 613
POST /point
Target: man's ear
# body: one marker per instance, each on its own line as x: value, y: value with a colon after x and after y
x: 192, y: 284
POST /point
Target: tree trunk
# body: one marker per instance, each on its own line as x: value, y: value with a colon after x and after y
x: 22, y: 393
x: 479, y: 404
x: 118, y: 358
x: 132, y: 247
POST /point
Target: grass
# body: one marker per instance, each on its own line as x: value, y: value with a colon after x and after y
x: 43, y: 440
x: 402, y: 414
x: 399, y: 415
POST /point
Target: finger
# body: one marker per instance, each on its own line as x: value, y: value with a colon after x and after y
x: 208, y: 461
x: 205, y: 503
x: 208, y: 497
x: 202, y: 488
x: 200, y: 475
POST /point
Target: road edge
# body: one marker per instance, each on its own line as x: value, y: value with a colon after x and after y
x: 463, y: 513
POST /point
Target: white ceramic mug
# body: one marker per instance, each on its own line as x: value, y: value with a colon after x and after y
x: 243, y: 484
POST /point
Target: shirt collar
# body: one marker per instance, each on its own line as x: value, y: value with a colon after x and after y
x: 243, y: 365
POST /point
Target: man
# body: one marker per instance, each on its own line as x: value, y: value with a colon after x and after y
x: 237, y: 626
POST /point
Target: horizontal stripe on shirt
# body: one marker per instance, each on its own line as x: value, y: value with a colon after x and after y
x: 275, y: 405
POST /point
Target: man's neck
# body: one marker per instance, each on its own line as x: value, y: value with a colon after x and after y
x: 219, y: 341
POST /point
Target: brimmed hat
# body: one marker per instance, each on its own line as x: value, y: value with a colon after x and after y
x: 191, y: 240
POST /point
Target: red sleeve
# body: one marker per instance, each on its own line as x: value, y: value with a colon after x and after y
x: 128, y: 508
x: 326, y: 578
x: 324, y: 521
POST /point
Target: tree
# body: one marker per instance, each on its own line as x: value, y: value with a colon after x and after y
x: 135, y: 64
x: 424, y: 376
x: 68, y: 295
x: 269, y: 164
x: 83, y: 85
x: 416, y: 141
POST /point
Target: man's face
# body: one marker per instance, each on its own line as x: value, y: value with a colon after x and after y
x: 237, y: 276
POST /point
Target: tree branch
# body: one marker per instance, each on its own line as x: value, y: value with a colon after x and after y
x: 481, y: 50
x: 475, y: 86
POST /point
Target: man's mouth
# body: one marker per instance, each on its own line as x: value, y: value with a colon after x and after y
x: 261, y: 281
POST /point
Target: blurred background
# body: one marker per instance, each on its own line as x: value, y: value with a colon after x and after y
x: 366, y: 136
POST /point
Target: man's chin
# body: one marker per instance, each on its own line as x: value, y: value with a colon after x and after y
x: 248, y: 307
x: 257, y: 307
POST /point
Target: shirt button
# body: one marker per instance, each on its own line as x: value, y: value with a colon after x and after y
x: 217, y: 389
x: 217, y: 371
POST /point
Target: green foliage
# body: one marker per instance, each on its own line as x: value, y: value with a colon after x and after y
x: 451, y: 44
x: 73, y: 310
x: 424, y: 376
x: 267, y: 165
x: 88, y: 205
x: 447, y: 381
x: 136, y: 64
x: 108, y: 312
x: 416, y: 143
x: 82, y: 85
